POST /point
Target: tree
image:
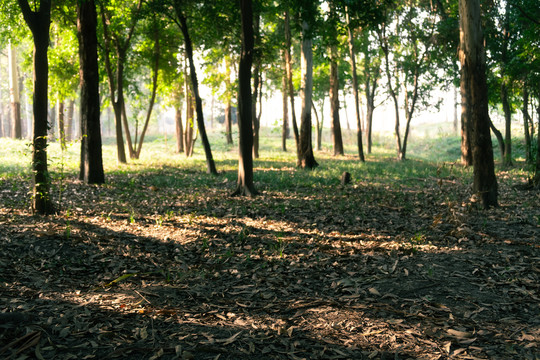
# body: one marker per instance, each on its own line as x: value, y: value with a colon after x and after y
x: 14, y: 93
x: 306, y: 159
x: 91, y: 170
x: 245, y: 184
x: 117, y: 36
x: 182, y: 22
x: 39, y: 22
x: 335, y: 124
x: 475, y: 99
x: 352, y: 56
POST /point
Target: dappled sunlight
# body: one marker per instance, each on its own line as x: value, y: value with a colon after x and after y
x: 161, y: 260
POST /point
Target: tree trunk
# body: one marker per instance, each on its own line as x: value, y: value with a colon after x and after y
x: 526, y: 121
x: 499, y: 137
x: 188, y: 136
x: 536, y: 179
x: 318, y: 124
x: 507, y: 160
x: 115, y: 83
x: 179, y: 129
x: 39, y: 23
x: 352, y: 55
x: 392, y: 91
x: 455, y: 120
x: 288, y: 63
x: 60, y: 112
x: 256, y: 81
x: 228, y: 107
x: 285, y: 128
x: 16, y: 131
x: 155, y: 72
x: 245, y: 185
x: 69, y: 120
x: 475, y: 100
x: 210, y: 165
x: 306, y: 158
x: 337, y: 140
x: 91, y: 171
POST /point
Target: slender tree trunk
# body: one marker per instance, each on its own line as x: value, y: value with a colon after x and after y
x: 536, y: 179
x: 337, y: 140
x: 155, y: 72
x: 228, y: 107
x: 526, y: 121
x: 60, y: 111
x: 455, y: 122
x: 188, y: 136
x: 91, y: 171
x: 288, y: 63
x: 306, y: 159
x: 507, y: 160
x: 285, y: 128
x: 69, y: 120
x: 210, y: 165
x: 475, y: 100
x: 16, y: 131
x: 392, y: 91
x: 318, y: 125
x: 352, y: 55
x: 39, y: 23
x: 245, y: 185
x: 114, y: 85
x: 499, y: 137
x: 179, y: 129
x: 256, y: 81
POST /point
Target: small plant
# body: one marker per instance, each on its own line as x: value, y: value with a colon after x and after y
x: 159, y: 221
x: 131, y: 217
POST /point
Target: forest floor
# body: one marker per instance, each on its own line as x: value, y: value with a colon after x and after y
x: 161, y: 263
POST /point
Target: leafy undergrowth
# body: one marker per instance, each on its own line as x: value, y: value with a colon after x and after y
x: 162, y: 263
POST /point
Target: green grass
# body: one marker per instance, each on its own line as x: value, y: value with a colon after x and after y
x: 433, y: 156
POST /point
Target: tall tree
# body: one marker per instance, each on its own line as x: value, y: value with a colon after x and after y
x: 245, y: 185
x: 182, y: 22
x: 475, y: 98
x: 39, y: 22
x: 306, y: 159
x: 91, y: 170
x: 352, y: 56
x: 335, y: 124
x: 288, y: 67
x: 117, y: 36
x: 16, y: 131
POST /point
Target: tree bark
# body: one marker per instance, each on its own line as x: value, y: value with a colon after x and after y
x: 16, y: 130
x: 210, y: 165
x: 284, y: 92
x: 507, y: 159
x: 337, y: 140
x: 155, y: 72
x: 69, y: 120
x: 256, y: 81
x: 39, y: 24
x: 352, y: 55
x: 475, y: 100
x: 526, y: 121
x: 245, y: 185
x: 318, y: 124
x: 306, y: 159
x: 179, y: 129
x: 60, y: 112
x: 499, y: 137
x: 228, y: 107
x: 393, y: 94
x: 288, y: 63
x: 91, y: 171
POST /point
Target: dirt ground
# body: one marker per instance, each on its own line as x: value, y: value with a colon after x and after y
x: 136, y: 270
